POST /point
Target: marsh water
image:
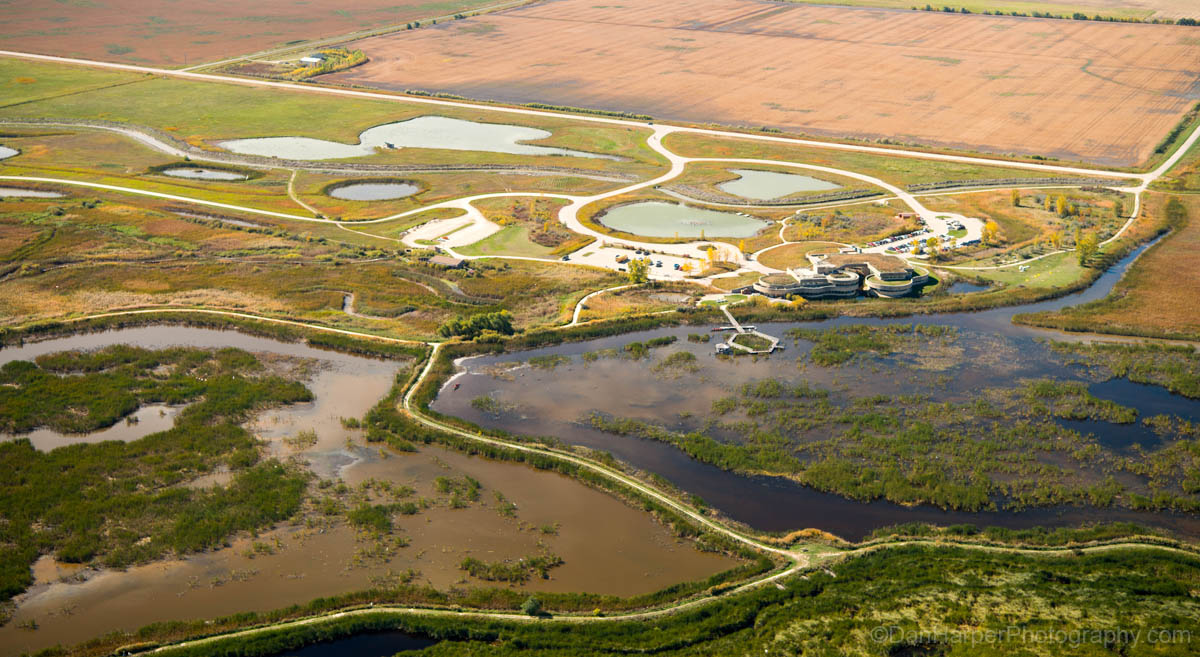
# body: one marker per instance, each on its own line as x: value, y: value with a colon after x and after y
x: 374, y: 191
x: 27, y: 193
x: 989, y: 351
x: 659, y: 219
x: 767, y: 185
x: 607, y: 546
x: 197, y: 173
x: 141, y: 423
x: 435, y: 132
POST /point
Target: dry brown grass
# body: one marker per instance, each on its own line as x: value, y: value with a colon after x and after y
x: 1158, y: 294
x: 863, y: 222
x: 636, y: 301
x: 793, y: 255
x: 1100, y: 92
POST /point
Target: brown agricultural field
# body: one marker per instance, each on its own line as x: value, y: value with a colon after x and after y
x: 1136, y: 9
x: 996, y: 84
x: 168, y: 33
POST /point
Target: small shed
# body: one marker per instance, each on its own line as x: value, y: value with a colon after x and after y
x: 446, y: 261
x: 315, y: 58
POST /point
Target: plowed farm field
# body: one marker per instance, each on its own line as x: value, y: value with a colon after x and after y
x: 1099, y: 92
x: 174, y: 33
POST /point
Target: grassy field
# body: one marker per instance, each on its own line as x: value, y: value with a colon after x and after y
x: 1030, y: 223
x: 199, y: 113
x: 111, y: 158
x: 64, y: 258
x: 793, y: 255
x: 850, y: 224
x: 1184, y: 177
x: 637, y: 301
x: 25, y: 81
x: 896, y: 170
x: 312, y: 188
x: 1157, y: 295
x: 511, y: 240
x: 114, y: 159
x: 1049, y: 272
x: 734, y: 282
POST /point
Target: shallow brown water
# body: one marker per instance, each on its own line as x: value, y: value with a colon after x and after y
x: 150, y: 419
x: 608, y: 547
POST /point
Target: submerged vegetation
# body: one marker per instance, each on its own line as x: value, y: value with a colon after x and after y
x: 117, y: 503
x: 521, y: 570
x: 1008, y: 448
x: 1174, y: 367
x: 842, y: 344
x: 915, y: 600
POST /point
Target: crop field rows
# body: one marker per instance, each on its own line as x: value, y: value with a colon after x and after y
x: 978, y: 83
x: 177, y: 34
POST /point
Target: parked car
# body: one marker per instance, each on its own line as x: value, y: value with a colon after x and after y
x: 658, y: 264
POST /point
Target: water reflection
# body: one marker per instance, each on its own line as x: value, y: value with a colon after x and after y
x: 989, y: 351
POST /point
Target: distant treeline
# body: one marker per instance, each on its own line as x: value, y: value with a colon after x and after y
x: 1077, y: 16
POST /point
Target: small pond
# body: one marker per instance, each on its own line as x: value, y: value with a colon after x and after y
x: 197, y: 173
x: 963, y: 287
x: 6, y: 152
x: 767, y: 185
x: 377, y: 191
x: 422, y: 132
x: 659, y: 219
x: 10, y: 192
x: 141, y: 423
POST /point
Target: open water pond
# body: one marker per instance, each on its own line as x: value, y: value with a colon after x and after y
x: 660, y: 219
x: 982, y: 357
x: 768, y: 185
x: 381, y: 191
x: 197, y: 173
x: 435, y: 132
x: 18, y: 192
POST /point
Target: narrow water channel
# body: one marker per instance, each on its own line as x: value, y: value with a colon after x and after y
x: 994, y: 352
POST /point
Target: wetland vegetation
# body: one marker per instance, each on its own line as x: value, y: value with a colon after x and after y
x: 938, y: 419
x: 121, y: 503
x: 922, y: 596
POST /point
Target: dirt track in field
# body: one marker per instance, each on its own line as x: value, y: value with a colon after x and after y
x: 178, y: 32
x: 1099, y: 92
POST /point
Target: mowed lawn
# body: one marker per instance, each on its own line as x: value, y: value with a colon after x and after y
x: 511, y: 241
